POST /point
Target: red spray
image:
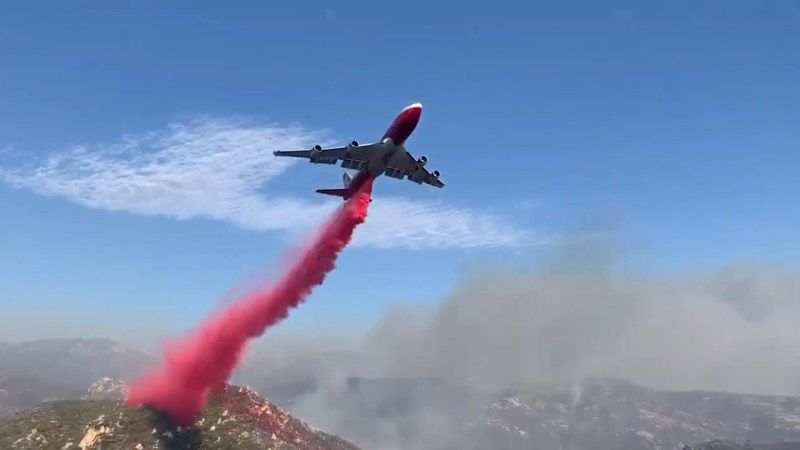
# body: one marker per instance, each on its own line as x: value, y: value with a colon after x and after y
x: 205, y: 359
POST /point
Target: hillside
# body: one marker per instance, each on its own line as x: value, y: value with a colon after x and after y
x: 597, y: 414
x: 726, y: 445
x: 610, y: 414
x: 235, y: 419
x: 428, y: 414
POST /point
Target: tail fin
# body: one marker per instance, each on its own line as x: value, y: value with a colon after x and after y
x: 346, y: 179
x: 335, y: 192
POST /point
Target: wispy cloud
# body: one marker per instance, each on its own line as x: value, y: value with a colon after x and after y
x: 218, y: 169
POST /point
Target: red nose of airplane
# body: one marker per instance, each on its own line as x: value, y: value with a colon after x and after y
x: 414, y: 108
x: 404, y: 124
x: 413, y: 112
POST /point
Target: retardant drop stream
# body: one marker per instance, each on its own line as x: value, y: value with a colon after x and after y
x: 206, y: 358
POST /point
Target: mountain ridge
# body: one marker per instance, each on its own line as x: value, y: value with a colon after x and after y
x: 594, y: 413
x: 234, y: 418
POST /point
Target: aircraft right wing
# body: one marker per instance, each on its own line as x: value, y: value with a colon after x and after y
x: 414, y: 171
x: 352, y: 156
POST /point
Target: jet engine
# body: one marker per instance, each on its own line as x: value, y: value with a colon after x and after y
x: 436, y: 174
x: 422, y: 160
x: 317, y: 148
x: 352, y: 144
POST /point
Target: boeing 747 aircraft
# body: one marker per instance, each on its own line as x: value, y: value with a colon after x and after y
x: 386, y: 157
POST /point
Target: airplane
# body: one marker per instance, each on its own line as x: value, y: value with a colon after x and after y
x: 386, y: 157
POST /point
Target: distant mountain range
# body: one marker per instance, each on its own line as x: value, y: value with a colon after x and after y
x: 72, y: 362
x: 433, y: 414
x: 50, y: 369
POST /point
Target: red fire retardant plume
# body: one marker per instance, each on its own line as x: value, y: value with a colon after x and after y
x: 205, y: 360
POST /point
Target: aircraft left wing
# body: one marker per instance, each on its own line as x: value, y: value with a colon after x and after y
x: 352, y: 156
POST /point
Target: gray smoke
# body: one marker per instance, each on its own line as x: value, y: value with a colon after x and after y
x: 735, y: 329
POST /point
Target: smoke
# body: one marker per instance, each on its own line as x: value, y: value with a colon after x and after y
x: 205, y: 360
x: 734, y: 329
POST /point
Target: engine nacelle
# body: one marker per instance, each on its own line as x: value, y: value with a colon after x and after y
x: 436, y: 174
x: 422, y: 160
x: 352, y: 144
x: 317, y: 148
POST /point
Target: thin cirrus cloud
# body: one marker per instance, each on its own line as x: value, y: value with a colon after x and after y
x: 218, y: 169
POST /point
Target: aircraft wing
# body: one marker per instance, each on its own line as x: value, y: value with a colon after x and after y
x: 351, y: 157
x: 415, y: 172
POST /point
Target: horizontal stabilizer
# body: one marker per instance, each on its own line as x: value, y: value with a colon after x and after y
x: 344, y: 193
x: 335, y: 192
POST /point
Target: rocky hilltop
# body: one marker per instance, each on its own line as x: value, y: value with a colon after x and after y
x: 237, y: 418
x: 107, y: 388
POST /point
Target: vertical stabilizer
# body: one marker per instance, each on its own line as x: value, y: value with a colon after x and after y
x: 346, y: 179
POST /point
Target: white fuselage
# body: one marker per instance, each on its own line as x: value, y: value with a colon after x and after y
x: 384, y: 157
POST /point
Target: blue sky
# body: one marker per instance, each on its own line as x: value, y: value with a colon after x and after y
x: 138, y: 181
